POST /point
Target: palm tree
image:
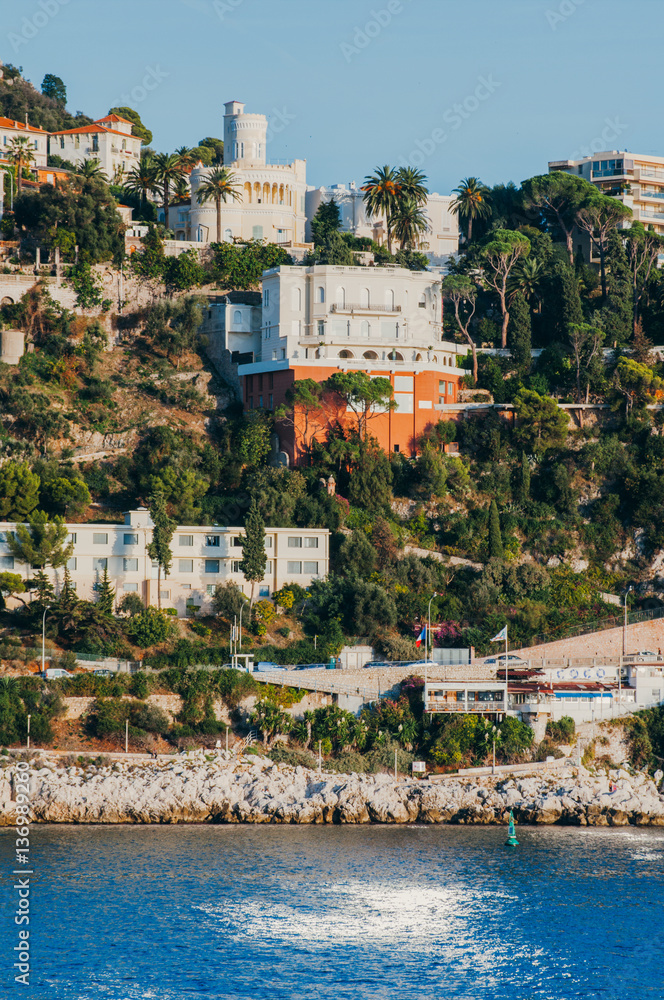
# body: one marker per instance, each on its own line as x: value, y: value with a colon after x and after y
x: 527, y: 279
x: 412, y: 185
x: 168, y: 169
x: 20, y: 153
x: 91, y: 169
x: 188, y: 158
x: 408, y: 224
x: 382, y: 192
x: 142, y: 179
x: 217, y: 187
x: 472, y: 202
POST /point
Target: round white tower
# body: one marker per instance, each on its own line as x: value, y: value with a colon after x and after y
x: 244, y: 137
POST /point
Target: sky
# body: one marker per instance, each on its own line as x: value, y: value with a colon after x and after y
x: 489, y: 88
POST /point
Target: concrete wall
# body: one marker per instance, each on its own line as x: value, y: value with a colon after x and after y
x: 645, y: 635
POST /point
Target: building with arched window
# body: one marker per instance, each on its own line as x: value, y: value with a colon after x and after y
x: 271, y: 206
x: 386, y: 322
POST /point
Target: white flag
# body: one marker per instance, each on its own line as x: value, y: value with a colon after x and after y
x: 501, y: 635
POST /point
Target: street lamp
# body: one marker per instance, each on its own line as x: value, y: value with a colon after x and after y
x: 27, y: 743
x: 625, y: 620
x: 44, y: 637
x: 426, y: 643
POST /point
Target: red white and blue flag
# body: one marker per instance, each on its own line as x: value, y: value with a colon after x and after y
x: 421, y: 637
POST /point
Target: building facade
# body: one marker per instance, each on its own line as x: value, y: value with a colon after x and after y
x: 384, y: 321
x: 438, y: 244
x: 272, y: 204
x: 37, y: 140
x: 634, y: 179
x: 108, y: 140
x: 203, y: 556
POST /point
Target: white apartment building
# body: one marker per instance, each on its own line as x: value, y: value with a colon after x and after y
x: 108, y: 140
x: 203, y: 556
x: 272, y: 207
x: 438, y: 244
x: 634, y: 179
x: 37, y: 140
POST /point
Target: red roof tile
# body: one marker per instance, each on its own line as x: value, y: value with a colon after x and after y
x: 20, y: 126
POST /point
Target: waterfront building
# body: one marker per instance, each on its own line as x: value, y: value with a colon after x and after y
x: 272, y: 203
x: 203, y: 556
x: 438, y: 244
x: 317, y: 320
x: 108, y: 140
x: 635, y: 179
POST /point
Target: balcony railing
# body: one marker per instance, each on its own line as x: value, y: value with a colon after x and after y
x: 354, y: 307
x: 461, y: 708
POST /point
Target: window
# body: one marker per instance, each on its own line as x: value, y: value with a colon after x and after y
x: 270, y: 404
x: 365, y: 328
x: 124, y: 145
x: 320, y: 294
x: 165, y: 595
x: 311, y: 543
x: 71, y: 563
x: 266, y: 296
x: 341, y: 297
x: 185, y: 586
x: 95, y: 143
x: 268, y: 542
x: 396, y: 448
x: 3, y: 537
x: 422, y: 304
x: 130, y: 588
x: 283, y: 353
x: 295, y: 567
x: 130, y: 565
x: 210, y: 589
x: 236, y: 541
x: 263, y: 591
x: 186, y: 565
x: 155, y: 564
x: 450, y: 388
x: 7, y: 562
x: 268, y: 566
x: 311, y: 568
x: 296, y: 299
x: 364, y: 298
x: 131, y: 539
x: 212, y: 541
x: 186, y: 540
x: 294, y: 543
x: 228, y: 235
x: 257, y: 232
x: 99, y: 565
x: 99, y: 538
x: 321, y: 328
x: 236, y: 566
x: 211, y: 565
x: 62, y: 142
x: 441, y: 387
x: 389, y: 299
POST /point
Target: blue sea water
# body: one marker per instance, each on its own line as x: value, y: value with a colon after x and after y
x: 246, y: 912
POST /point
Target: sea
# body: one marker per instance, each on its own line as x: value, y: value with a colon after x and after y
x: 294, y: 912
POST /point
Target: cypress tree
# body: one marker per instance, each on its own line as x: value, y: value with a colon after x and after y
x: 519, y: 333
x: 159, y: 548
x: 254, y: 559
x: 562, y: 303
x: 495, y: 537
x: 616, y: 315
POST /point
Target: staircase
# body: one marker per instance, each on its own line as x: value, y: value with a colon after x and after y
x: 242, y: 745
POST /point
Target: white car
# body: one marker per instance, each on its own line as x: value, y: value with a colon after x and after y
x: 511, y: 659
x: 55, y: 673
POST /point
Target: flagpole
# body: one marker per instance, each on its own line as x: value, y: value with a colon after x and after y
x: 506, y: 669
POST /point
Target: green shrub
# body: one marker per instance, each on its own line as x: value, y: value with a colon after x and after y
x: 561, y: 731
x: 149, y: 627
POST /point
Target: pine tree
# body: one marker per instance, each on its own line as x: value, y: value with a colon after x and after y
x: 254, y: 559
x: 159, y: 548
x: 45, y: 594
x: 524, y: 480
x: 495, y: 537
x: 106, y: 594
x: 519, y: 333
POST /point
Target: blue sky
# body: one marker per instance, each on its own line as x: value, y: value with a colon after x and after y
x: 494, y: 88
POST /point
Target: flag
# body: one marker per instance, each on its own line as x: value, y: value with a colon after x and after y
x: 421, y: 637
x: 501, y: 635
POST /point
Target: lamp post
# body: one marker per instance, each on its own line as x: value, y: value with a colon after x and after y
x: 493, y: 765
x: 27, y: 742
x: 625, y: 622
x: 44, y: 637
x: 241, y: 610
x: 426, y: 638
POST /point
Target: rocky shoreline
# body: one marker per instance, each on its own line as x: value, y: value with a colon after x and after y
x: 220, y: 789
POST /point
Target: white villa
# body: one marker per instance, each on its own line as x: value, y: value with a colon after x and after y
x: 438, y: 244
x: 108, y: 140
x: 272, y: 207
x: 37, y: 140
x: 203, y: 556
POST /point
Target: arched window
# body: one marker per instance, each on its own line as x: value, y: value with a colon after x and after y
x: 422, y: 304
x: 364, y: 298
x: 418, y: 357
x: 365, y: 328
x: 247, y: 193
x: 237, y: 317
x: 435, y: 303
x: 389, y: 298
x: 346, y: 354
x: 370, y: 355
x: 341, y: 297
x: 228, y: 235
x: 320, y: 294
x: 297, y: 299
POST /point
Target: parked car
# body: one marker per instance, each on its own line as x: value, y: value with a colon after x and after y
x: 103, y: 672
x: 55, y: 673
x: 264, y: 667
x: 310, y: 666
x: 511, y: 660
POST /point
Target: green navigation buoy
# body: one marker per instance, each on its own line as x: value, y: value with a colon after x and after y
x: 511, y: 834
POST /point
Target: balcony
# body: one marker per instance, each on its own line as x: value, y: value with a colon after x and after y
x: 611, y: 172
x: 354, y: 307
x: 439, y: 706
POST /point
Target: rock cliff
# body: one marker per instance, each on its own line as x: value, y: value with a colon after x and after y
x: 216, y: 789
